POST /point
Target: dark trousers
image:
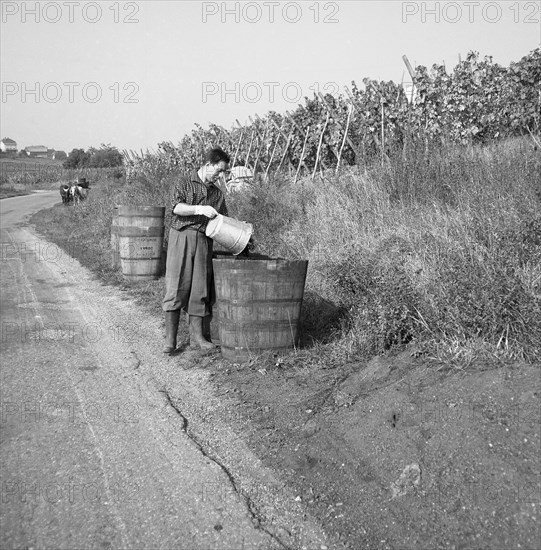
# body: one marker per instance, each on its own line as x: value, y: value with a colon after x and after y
x: 189, y: 283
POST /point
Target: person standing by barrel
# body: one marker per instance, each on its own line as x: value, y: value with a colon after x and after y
x: 188, y: 274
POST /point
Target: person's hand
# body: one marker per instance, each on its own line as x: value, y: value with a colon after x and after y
x: 205, y: 210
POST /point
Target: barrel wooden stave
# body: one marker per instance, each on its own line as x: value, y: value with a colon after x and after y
x: 215, y: 328
x: 115, y: 252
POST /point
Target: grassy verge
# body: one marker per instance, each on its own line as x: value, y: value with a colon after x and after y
x: 440, y: 249
x: 83, y: 231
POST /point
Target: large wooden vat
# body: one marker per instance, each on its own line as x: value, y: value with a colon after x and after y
x: 258, y: 304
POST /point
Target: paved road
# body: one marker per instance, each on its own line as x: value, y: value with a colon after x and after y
x: 88, y: 458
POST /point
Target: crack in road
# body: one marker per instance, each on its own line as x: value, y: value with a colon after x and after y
x: 252, y: 509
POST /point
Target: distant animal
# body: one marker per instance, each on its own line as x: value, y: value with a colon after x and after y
x: 65, y: 194
x: 78, y: 193
x: 79, y: 190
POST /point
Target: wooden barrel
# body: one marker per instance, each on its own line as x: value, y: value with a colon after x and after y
x: 115, y: 245
x: 258, y: 305
x: 140, y: 240
x: 115, y: 249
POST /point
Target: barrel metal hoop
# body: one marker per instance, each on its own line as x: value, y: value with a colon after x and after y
x: 132, y: 231
x: 126, y: 216
x: 258, y: 302
x: 138, y: 259
x: 254, y: 348
x: 141, y: 275
x: 272, y: 324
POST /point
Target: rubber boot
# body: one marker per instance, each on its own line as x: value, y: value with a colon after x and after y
x: 197, y: 339
x: 206, y: 327
x: 172, y: 319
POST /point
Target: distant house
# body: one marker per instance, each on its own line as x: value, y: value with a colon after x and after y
x: 50, y: 153
x: 39, y: 151
x: 60, y: 155
x: 7, y: 145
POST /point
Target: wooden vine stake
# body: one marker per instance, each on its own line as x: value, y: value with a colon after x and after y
x: 382, y: 103
x: 302, y: 155
x: 255, y: 126
x: 351, y: 144
x: 350, y: 109
x: 288, y: 141
x: 261, y: 146
x: 288, y: 114
x: 360, y: 152
x: 319, y: 145
x: 411, y: 73
x: 286, y: 147
x: 238, y: 147
x: 410, y: 105
x: 273, y: 149
x: 250, y: 147
x: 329, y: 110
x: 267, y: 128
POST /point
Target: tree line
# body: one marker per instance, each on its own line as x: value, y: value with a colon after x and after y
x: 106, y: 156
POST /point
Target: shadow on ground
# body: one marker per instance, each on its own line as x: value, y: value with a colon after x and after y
x: 321, y: 320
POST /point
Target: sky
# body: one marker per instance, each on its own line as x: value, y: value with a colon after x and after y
x: 77, y: 74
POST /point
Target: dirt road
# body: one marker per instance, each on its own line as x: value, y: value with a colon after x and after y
x: 97, y: 441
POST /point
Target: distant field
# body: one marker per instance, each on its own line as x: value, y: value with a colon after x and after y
x: 22, y: 176
x: 31, y: 161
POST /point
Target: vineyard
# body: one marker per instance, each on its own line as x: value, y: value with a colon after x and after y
x: 31, y: 172
x: 479, y: 101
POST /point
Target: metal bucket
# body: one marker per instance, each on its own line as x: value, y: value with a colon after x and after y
x: 233, y: 235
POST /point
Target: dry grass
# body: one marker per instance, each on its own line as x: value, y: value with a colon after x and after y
x: 443, y: 250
